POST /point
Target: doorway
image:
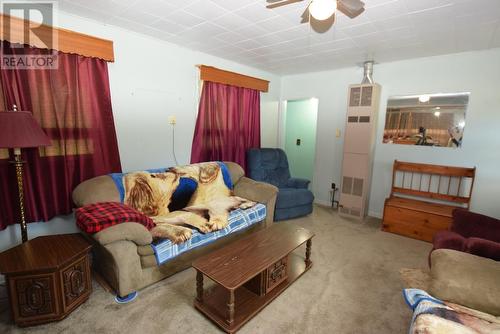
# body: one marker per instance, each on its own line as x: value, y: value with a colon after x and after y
x: 300, y: 136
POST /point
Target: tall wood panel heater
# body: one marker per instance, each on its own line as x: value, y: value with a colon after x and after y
x: 359, y: 144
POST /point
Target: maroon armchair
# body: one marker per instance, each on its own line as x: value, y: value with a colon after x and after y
x: 471, y: 233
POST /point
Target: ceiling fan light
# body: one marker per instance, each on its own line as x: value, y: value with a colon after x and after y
x: 322, y: 9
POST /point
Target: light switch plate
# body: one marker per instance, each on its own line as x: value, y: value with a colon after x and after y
x: 172, y: 119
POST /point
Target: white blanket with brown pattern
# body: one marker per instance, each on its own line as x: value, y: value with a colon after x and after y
x: 207, y: 210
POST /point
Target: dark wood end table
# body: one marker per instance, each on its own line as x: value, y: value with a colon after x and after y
x: 47, y: 277
x: 250, y: 273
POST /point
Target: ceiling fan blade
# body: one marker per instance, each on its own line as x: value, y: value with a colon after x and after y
x: 275, y: 4
x: 305, y: 16
x: 351, y: 8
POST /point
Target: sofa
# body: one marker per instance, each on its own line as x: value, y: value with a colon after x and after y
x: 123, y: 254
x: 463, y: 295
x: 472, y: 233
x: 271, y: 165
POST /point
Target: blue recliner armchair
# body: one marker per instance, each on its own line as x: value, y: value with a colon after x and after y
x: 271, y: 165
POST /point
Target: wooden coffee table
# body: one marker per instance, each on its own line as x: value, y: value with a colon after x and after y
x: 250, y: 273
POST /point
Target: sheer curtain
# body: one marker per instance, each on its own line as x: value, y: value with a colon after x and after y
x: 73, y: 106
x: 228, y: 124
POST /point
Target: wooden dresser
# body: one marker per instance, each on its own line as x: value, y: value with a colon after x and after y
x: 423, y: 198
x: 47, y: 277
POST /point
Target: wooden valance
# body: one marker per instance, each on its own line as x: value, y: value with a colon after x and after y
x: 209, y: 73
x: 67, y: 41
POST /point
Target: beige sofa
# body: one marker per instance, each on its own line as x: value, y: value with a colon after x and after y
x: 123, y: 254
x: 466, y: 279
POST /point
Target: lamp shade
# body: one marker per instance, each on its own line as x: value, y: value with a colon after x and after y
x: 19, y: 129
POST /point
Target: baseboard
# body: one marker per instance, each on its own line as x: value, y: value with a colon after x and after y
x: 375, y: 214
x: 321, y: 202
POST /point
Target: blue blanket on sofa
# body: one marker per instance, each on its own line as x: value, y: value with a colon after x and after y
x: 239, y: 220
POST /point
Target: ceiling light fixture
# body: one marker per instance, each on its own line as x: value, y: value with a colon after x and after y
x: 322, y: 9
x: 424, y: 98
x: 437, y: 113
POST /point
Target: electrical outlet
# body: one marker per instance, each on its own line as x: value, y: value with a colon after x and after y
x: 337, y: 133
x: 172, y: 120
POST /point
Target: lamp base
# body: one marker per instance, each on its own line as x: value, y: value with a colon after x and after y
x: 19, y: 164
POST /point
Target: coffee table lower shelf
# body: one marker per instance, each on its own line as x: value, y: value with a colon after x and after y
x: 247, y: 303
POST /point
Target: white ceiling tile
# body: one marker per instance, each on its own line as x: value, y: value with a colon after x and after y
x: 294, y: 33
x: 292, y: 14
x: 399, y: 33
x: 422, y: 5
x: 275, y: 24
x: 210, y: 43
x: 230, y: 37
x: 168, y: 26
x: 247, y: 32
x: 228, y: 50
x: 179, y: 4
x: 202, y: 31
x: 234, y: 5
x: 184, y: 18
x: 205, y: 9
x: 255, y: 12
x: 77, y: 9
x: 374, y: 3
x: 368, y: 39
x: 159, y: 8
x: 393, y: 22
x: 110, y: 7
x: 136, y: 16
x: 343, y: 21
x: 478, y: 38
x: 387, y: 9
x: 232, y: 21
x: 335, y: 45
x: 302, y: 42
x: 361, y: 29
x: 329, y: 36
x: 269, y: 39
x: 252, y: 31
x: 249, y: 44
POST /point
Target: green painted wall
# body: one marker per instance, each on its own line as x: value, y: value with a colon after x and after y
x: 300, y: 123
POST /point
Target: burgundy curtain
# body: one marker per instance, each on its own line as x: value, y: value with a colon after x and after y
x: 228, y: 124
x: 73, y: 106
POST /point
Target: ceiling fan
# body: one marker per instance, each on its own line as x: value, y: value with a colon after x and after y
x: 324, y: 9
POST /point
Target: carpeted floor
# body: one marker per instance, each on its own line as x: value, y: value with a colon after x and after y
x: 354, y: 286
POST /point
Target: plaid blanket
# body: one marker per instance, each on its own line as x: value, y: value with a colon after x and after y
x: 96, y: 217
x: 239, y: 219
x: 434, y: 316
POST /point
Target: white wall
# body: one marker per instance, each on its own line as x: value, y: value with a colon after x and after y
x: 476, y: 72
x: 151, y: 80
x: 269, y: 123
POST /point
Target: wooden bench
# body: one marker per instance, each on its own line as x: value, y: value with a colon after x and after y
x: 423, y: 198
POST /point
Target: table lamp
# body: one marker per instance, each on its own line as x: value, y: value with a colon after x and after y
x: 18, y: 129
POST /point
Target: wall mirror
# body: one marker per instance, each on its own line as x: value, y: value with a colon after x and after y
x: 426, y: 120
